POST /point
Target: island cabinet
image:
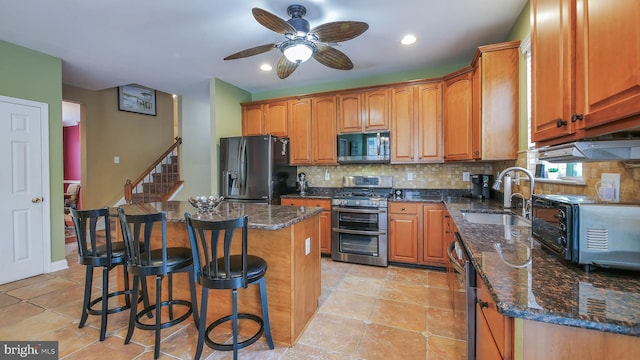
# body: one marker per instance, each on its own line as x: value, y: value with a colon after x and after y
x: 364, y: 111
x: 458, y: 119
x: 269, y: 118
x: 416, y: 233
x: 325, y: 218
x: 494, y: 331
x: 416, y: 123
x: 585, y: 73
x: 312, y: 128
x: 495, y: 101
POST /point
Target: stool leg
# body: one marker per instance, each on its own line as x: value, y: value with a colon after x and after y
x: 105, y: 302
x: 202, y: 326
x: 145, y: 295
x: 265, y: 312
x: 234, y: 319
x: 156, y: 348
x: 194, y: 299
x: 133, y: 310
x: 170, y: 296
x: 127, y: 296
x: 88, y: 279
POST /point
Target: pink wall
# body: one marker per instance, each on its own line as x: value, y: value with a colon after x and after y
x: 71, y: 152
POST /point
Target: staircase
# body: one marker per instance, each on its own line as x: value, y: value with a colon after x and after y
x: 159, y: 182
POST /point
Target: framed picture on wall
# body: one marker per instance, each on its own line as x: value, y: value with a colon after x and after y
x: 137, y: 99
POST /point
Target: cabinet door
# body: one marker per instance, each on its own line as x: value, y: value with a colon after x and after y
x: 607, y: 58
x: 325, y: 232
x: 300, y: 132
x: 429, y: 122
x: 252, y: 120
x: 275, y: 118
x: 551, y: 69
x: 500, y: 326
x: 376, y: 110
x: 324, y: 130
x: 500, y: 92
x: 458, y: 117
x: 433, y: 242
x: 349, y: 113
x: 402, y: 128
x: 403, y: 238
x: 486, y: 348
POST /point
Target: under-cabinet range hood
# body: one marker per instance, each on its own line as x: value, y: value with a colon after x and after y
x: 592, y: 150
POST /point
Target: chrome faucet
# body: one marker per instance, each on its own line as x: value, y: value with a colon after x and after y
x: 524, y: 202
x: 498, y: 182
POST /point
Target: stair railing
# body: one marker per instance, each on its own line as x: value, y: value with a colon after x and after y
x: 135, y: 189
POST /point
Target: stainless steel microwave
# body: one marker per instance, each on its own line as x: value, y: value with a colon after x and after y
x: 364, y: 148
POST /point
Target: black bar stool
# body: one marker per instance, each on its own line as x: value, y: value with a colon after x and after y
x: 145, y: 261
x: 93, y: 251
x: 222, y: 270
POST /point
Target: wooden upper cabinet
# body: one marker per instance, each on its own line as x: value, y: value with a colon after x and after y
x: 552, y: 72
x: 429, y: 122
x: 416, y: 123
x: 300, y: 127
x: 607, y: 61
x: 324, y: 134
x: 275, y: 118
x: 458, y: 117
x: 364, y: 111
x: 252, y: 120
x: 496, y: 102
x: 269, y: 118
x: 376, y: 110
x: 402, y: 125
x: 349, y: 112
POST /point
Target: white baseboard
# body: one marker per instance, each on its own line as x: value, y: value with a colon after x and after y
x: 58, y: 265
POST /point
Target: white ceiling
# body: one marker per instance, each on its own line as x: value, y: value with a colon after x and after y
x: 176, y: 46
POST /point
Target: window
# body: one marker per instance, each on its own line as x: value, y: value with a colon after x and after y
x: 542, y: 169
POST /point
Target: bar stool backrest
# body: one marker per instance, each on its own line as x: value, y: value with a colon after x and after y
x: 212, y: 252
x: 137, y: 231
x: 91, y: 250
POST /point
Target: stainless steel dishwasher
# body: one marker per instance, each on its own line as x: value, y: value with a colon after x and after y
x: 463, y: 276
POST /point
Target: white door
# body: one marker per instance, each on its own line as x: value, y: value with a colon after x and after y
x: 24, y: 244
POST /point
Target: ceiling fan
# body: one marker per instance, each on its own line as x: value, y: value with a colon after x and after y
x: 302, y: 43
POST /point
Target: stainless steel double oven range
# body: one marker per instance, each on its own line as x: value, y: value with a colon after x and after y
x: 359, y: 220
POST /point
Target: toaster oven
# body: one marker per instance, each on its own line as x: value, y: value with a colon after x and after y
x: 586, y: 232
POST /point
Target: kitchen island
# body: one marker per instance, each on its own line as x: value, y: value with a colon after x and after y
x: 286, y: 237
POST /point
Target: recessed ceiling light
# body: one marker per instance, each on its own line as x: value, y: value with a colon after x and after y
x: 408, y: 40
x: 266, y: 67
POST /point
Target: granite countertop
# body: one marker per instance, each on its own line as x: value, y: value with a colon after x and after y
x: 547, y: 289
x: 261, y: 216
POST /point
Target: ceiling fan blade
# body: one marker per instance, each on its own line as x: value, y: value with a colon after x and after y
x: 339, y: 31
x: 252, y: 51
x: 333, y: 58
x: 272, y: 22
x: 285, y: 67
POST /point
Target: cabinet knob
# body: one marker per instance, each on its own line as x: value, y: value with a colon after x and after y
x: 483, y: 304
x: 575, y: 117
x: 561, y: 123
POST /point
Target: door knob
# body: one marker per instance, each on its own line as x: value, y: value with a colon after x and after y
x: 36, y: 200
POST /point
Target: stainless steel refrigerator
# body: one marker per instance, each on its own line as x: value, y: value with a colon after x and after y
x: 256, y: 168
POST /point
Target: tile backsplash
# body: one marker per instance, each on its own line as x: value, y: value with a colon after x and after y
x: 425, y: 176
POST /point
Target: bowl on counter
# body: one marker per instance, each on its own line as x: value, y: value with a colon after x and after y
x: 205, y: 204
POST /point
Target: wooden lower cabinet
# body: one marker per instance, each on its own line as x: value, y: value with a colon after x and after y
x: 416, y: 233
x: 494, y: 331
x: 325, y: 218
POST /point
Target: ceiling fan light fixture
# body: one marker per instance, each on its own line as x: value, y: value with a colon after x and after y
x: 298, y: 51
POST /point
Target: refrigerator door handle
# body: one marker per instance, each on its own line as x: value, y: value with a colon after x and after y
x: 242, y: 167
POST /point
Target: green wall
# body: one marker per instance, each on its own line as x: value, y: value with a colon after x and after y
x: 30, y: 75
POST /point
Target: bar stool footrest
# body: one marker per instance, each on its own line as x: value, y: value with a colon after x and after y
x: 242, y: 344
x: 92, y: 311
x: 149, y: 311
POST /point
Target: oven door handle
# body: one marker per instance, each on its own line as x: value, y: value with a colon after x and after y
x: 359, y: 210
x: 358, y: 232
x: 456, y: 266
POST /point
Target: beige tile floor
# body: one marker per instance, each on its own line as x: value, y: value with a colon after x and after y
x: 364, y: 313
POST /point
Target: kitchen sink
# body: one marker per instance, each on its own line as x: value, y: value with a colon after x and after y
x: 495, y: 219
